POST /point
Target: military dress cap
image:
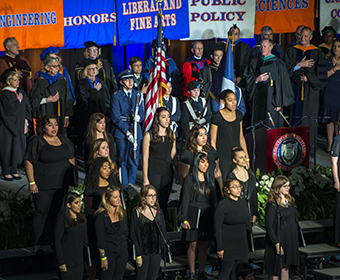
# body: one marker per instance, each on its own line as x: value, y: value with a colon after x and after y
x: 126, y: 74
x: 89, y: 44
x: 87, y: 62
x: 6, y: 74
x: 48, y: 51
x: 193, y: 84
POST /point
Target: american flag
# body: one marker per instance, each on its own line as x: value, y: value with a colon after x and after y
x: 157, y: 79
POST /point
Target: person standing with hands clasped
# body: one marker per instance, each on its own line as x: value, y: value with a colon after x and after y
x: 282, y: 243
x: 123, y: 108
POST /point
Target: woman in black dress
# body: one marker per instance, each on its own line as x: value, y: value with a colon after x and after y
x: 92, y: 94
x: 48, y: 162
x: 96, y: 129
x: 232, y: 221
x: 145, y: 234
x: 15, y: 112
x: 159, y: 149
x: 70, y: 235
x: 285, y: 243
x: 247, y: 180
x: 112, y: 233
x: 226, y: 131
x: 197, y: 142
x: 198, y: 191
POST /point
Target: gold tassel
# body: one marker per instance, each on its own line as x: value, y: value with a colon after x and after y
x: 114, y: 41
x: 302, y: 90
x: 58, y: 105
x: 271, y: 80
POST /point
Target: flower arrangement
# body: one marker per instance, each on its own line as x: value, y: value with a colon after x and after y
x: 131, y: 194
x: 312, y: 189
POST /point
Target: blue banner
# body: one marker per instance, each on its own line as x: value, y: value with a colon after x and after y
x: 89, y: 20
x: 137, y: 20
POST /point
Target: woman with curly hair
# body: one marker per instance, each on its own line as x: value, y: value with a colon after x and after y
x: 159, y: 149
x: 112, y: 233
x: 198, y: 191
x: 284, y: 243
x: 197, y: 142
x: 96, y: 129
x: 70, y: 235
x: 145, y: 234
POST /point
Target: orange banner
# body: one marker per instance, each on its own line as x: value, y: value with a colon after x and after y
x: 35, y: 24
x: 284, y: 16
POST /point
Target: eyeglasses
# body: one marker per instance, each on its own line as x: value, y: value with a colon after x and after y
x: 55, y: 66
x: 92, y: 50
x: 151, y: 196
x: 235, y: 187
x: 92, y: 69
x: 286, y: 186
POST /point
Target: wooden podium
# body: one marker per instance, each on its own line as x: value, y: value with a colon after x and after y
x: 283, y: 148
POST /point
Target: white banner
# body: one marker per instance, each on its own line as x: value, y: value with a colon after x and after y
x: 213, y: 18
x: 329, y: 14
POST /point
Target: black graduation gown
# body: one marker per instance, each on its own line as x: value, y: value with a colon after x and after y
x: 105, y: 73
x: 206, y: 76
x: 41, y: 90
x: 317, y: 79
x: 265, y: 96
x: 242, y: 55
x: 12, y: 123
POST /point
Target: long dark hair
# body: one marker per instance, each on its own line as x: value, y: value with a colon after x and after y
x: 142, y: 195
x: 95, y: 148
x: 91, y: 126
x: 154, y: 129
x: 278, y: 182
x: 65, y: 211
x: 191, y: 142
x: 45, y: 121
x: 199, y: 188
x: 335, y: 40
x: 92, y: 178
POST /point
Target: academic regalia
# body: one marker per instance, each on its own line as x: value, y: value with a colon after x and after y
x: 173, y: 106
x: 242, y: 55
x: 306, y: 100
x: 105, y: 73
x: 266, y: 95
x: 12, y: 123
x: 277, y: 51
x: 139, y: 82
x: 326, y: 49
x: 122, y: 110
x: 190, y: 72
x: 188, y: 121
x: 22, y: 64
x: 45, y: 86
x: 91, y: 101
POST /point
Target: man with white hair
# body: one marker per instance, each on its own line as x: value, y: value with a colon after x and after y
x: 22, y: 66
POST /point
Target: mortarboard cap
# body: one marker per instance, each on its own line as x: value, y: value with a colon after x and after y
x: 48, y: 51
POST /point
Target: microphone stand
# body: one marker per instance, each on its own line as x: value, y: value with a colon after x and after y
x: 165, y: 246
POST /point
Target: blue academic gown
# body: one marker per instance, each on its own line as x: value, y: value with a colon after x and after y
x: 122, y: 110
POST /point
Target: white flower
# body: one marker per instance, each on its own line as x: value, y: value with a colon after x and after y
x: 265, y: 177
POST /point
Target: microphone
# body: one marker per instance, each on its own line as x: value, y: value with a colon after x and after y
x: 271, y: 119
x: 275, y: 192
x: 147, y: 204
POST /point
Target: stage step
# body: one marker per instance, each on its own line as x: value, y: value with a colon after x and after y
x: 327, y: 273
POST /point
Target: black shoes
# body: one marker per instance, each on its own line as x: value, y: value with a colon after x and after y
x: 202, y: 276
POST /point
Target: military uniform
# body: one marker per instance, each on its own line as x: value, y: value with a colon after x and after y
x: 173, y: 106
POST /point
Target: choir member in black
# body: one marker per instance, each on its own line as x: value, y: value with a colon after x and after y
x: 242, y: 55
x: 96, y: 129
x: 198, y: 191
x: 288, y: 248
x: 307, y: 70
x: 195, y: 109
x: 145, y: 234
x: 247, y: 179
x: 328, y: 36
x: 112, y: 232
x: 172, y: 104
x: 92, y: 95
x: 139, y: 78
x: 15, y: 114
x: 197, y: 142
x: 231, y: 221
x: 50, y: 95
x: 269, y: 95
x: 96, y: 182
x: 226, y: 131
x: 159, y: 149
x: 267, y: 33
x: 207, y: 74
x: 70, y: 236
x: 48, y: 162
x: 92, y: 52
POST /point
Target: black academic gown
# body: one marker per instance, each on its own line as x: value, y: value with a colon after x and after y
x: 105, y: 73
x: 206, y: 76
x: 40, y: 90
x: 12, y: 123
x: 308, y: 103
x: 266, y: 96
